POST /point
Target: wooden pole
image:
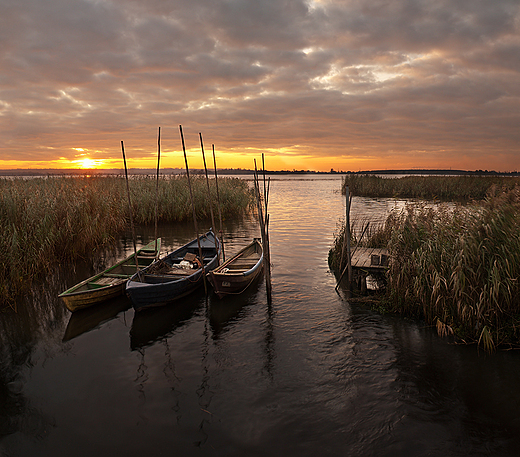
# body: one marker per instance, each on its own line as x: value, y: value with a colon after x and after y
x: 194, y: 212
x: 130, y: 209
x: 218, y: 203
x: 267, y: 248
x: 267, y: 261
x: 349, y: 259
x: 157, y: 190
x: 352, y: 255
x: 265, y: 188
x: 343, y: 249
x: 209, y: 194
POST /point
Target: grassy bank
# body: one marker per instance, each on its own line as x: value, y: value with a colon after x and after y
x: 47, y: 220
x: 445, y: 188
x: 456, y: 268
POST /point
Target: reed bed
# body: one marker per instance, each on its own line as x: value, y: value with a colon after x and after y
x: 458, y: 268
x: 444, y: 188
x: 45, y: 221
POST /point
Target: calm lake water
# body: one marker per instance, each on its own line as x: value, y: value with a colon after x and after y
x: 311, y: 374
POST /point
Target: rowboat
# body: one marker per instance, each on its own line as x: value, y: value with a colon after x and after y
x: 238, y: 272
x: 109, y: 283
x: 174, y: 276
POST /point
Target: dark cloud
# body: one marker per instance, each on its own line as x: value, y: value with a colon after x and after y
x: 334, y: 78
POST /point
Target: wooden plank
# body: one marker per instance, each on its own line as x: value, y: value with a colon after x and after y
x: 370, y: 258
x: 105, y: 281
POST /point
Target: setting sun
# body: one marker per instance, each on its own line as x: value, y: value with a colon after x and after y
x: 88, y: 163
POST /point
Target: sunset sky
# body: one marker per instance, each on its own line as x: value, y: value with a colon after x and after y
x: 343, y: 84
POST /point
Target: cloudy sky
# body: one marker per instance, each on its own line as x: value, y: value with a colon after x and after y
x: 314, y: 84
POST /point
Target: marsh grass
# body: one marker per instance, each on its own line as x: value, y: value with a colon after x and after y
x: 444, y: 188
x: 174, y: 202
x: 457, y: 267
x: 45, y: 221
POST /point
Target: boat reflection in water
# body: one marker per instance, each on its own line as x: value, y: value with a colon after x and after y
x: 224, y: 312
x: 87, y: 319
x: 158, y: 323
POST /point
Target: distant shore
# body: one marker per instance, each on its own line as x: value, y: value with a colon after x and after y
x: 242, y: 171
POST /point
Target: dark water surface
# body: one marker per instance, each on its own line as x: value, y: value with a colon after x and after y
x: 309, y: 375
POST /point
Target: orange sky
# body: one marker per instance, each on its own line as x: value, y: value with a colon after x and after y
x: 315, y: 85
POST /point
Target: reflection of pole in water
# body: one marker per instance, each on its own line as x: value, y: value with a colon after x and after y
x: 140, y: 380
x: 269, y: 342
x: 203, y: 391
x: 172, y: 379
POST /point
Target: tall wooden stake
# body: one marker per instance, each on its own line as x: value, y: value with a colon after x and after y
x: 352, y: 255
x: 349, y: 258
x: 209, y: 194
x: 218, y: 203
x: 157, y: 189
x: 130, y: 208
x: 266, y: 223
x: 194, y: 212
x: 346, y: 234
x: 346, y: 242
x: 265, y: 240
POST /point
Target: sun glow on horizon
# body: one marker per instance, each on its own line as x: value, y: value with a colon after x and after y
x: 87, y: 163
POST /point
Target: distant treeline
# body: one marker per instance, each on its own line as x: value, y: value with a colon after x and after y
x: 85, y: 172
x: 244, y: 171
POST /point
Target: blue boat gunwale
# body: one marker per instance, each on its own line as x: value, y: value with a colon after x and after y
x: 145, y: 294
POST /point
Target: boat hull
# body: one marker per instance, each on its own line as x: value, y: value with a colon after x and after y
x: 108, y: 284
x: 237, y: 273
x: 152, y: 287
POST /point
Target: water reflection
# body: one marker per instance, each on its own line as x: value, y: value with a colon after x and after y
x: 223, y: 313
x: 87, y: 319
x: 310, y: 374
x: 37, y: 322
x: 157, y: 324
x: 471, y: 396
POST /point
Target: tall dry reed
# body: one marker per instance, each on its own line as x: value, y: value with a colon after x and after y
x: 47, y: 220
x: 445, y: 188
x: 458, y: 268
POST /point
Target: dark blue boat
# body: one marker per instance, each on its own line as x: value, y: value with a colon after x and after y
x: 174, y: 276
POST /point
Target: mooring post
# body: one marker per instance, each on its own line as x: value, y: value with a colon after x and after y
x: 130, y: 209
x: 157, y: 190
x: 194, y: 212
x: 347, y: 234
x: 219, y: 206
x: 263, y: 231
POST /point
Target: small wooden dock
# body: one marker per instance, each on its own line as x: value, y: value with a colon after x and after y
x: 368, y: 262
x: 371, y: 260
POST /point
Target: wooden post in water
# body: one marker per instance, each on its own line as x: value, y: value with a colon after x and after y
x: 265, y: 239
x: 266, y: 224
x: 218, y: 203
x: 347, y: 234
x: 157, y: 190
x: 346, y: 243
x: 130, y: 208
x: 209, y: 195
x: 194, y: 212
